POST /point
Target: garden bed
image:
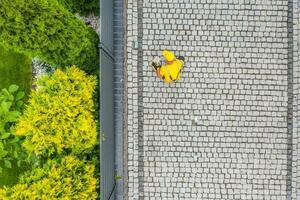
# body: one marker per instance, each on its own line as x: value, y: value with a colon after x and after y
x: 49, y: 126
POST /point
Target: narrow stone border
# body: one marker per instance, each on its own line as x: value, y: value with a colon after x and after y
x: 296, y: 102
x: 125, y: 108
x: 132, y: 134
x: 290, y: 95
x: 118, y: 71
x: 140, y: 99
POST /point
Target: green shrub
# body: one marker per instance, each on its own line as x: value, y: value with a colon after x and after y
x: 68, y: 178
x: 45, y: 29
x: 59, y: 117
x: 11, y: 105
x: 83, y: 7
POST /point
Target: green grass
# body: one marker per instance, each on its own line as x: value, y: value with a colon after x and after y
x: 9, y: 177
x: 15, y: 68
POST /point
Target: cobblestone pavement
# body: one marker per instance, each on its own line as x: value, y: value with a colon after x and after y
x: 225, y: 130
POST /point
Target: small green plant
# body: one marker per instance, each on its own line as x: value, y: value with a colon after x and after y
x: 66, y: 178
x: 59, y: 117
x: 118, y: 177
x: 11, y: 106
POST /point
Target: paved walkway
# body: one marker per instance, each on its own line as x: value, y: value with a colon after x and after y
x: 228, y: 129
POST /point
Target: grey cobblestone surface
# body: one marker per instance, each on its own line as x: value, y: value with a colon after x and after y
x: 222, y: 131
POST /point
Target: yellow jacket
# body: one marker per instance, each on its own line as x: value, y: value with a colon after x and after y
x: 171, y: 71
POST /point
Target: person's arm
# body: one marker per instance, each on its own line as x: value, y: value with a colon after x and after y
x: 158, y: 72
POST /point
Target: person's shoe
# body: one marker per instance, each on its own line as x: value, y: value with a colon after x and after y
x: 181, y: 58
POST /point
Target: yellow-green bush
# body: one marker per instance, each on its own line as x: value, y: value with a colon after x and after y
x: 3, y: 194
x: 66, y: 179
x: 59, y: 116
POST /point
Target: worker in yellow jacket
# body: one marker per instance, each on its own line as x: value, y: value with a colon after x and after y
x: 171, y: 70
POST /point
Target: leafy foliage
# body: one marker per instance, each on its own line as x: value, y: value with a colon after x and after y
x: 45, y: 29
x: 68, y: 178
x: 11, y: 105
x: 83, y: 7
x: 58, y: 127
x: 59, y: 117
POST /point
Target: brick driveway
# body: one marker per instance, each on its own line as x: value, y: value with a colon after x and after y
x: 223, y: 131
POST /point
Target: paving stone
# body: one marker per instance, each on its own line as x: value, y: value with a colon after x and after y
x: 235, y: 83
